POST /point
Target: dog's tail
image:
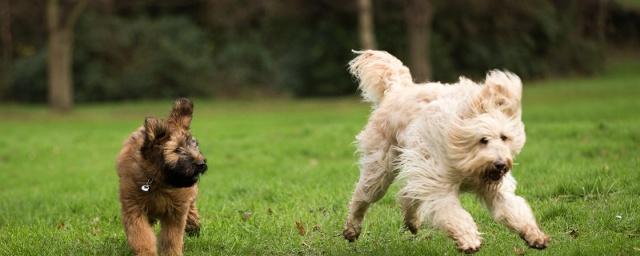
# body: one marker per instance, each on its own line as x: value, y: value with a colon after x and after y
x: 378, y: 71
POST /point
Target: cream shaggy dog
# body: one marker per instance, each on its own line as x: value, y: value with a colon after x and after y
x: 441, y: 140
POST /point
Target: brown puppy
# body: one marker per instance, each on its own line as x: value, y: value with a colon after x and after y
x: 159, y: 166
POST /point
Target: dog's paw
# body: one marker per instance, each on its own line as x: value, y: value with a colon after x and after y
x: 469, y: 249
x: 192, y: 230
x: 411, y: 227
x: 536, y: 239
x: 351, y: 233
x: 469, y: 245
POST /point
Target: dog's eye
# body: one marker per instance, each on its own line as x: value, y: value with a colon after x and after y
x: 504, y: 137
x: 484, y: 141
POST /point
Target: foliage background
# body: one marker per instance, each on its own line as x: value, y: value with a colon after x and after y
x: 223, y: 48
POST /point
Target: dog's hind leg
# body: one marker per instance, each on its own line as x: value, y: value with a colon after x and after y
x: 512, y: 210
x: 370, y: 188
x: 410, y: 212
x: 376, y: 174
x: 193, y: 220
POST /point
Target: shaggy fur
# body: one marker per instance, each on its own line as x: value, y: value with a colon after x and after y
x: 163, y: 155
x: 441, y: 140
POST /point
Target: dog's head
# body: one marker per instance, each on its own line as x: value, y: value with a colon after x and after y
x: 489, y: 132
x: 169, y: 145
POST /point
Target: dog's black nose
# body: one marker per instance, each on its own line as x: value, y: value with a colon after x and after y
x: 201, y: 165
x: 500, y: 165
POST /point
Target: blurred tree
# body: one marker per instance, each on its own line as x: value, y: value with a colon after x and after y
x: 623, y: 21
x: 365, y: 22
x: 6, y: 41
x: 125, y: 49
x: 162, y: 57
x: 107, y: 7
x: 597, y: 11
x: 418, y: 16
x: 61, y: 21
x: 5, y: 31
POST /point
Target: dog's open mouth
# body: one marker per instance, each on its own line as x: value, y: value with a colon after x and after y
x: 495, y: 174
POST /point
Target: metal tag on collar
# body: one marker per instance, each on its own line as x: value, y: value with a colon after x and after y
x: 147, y: 186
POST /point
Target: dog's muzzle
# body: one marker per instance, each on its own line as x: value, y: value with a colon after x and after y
x: 497, y: 170
x: 200, y: 166
x: 185, y: 174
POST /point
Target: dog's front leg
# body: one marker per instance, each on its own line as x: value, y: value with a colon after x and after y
x: 513, y: 211
x: 172, y: 233
x: 446, y: 213
x: 193, y: 220
x: 139, y: 233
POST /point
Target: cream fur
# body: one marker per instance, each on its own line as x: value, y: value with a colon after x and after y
x: 429, y: 136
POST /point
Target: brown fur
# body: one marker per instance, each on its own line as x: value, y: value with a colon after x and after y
x: 164, y: 154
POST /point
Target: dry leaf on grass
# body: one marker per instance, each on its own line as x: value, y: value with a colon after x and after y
x: 300, y: 227
x: 246, y: 215
x: 573, y: 233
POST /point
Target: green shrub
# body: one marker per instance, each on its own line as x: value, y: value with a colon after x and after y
x: 119, y: 58
x: 301, y: 48
x: 28, y: 79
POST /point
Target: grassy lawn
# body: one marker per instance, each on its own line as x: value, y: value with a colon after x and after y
x: 277, y: 167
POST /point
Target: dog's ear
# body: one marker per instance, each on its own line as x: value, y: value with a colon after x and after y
x: 501, y: 91
x: 154, y: 131
x: 181, y: 113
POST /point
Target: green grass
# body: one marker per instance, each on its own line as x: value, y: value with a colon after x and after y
x: 293, y: 161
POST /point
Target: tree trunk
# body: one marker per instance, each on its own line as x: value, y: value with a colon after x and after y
x: 60, y: 73
x: 5, y: 31
x: 418, y: 15
x: 601, y: 22
x: 61, y: 54
x: 107, y: 6
x: 366, y: 27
